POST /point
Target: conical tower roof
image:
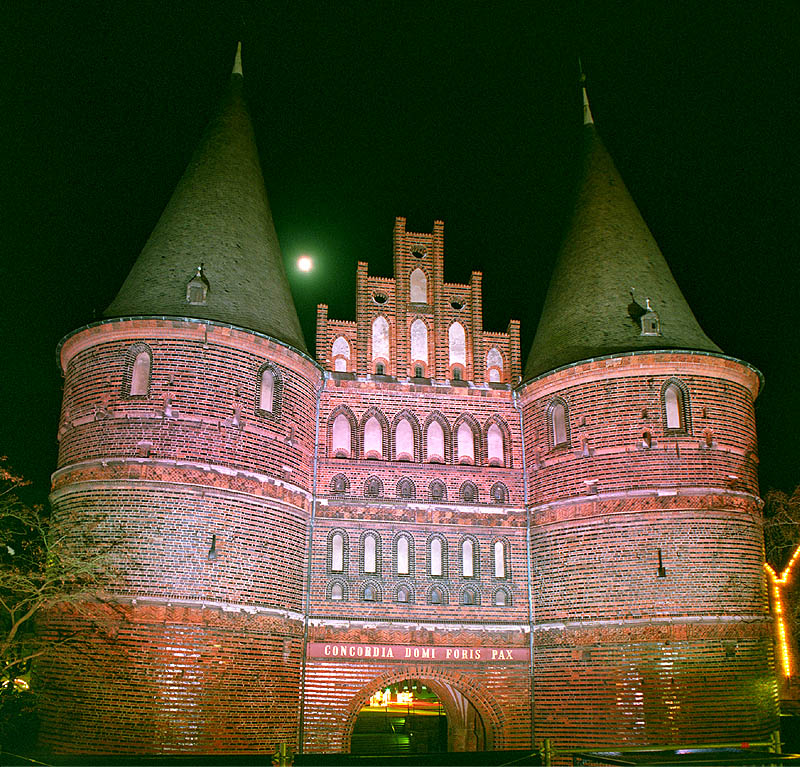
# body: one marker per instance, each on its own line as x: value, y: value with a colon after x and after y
x: 218, y: 217
x: 608, y: 267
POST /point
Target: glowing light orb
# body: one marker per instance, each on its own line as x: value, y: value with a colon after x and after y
x: 304, y: 263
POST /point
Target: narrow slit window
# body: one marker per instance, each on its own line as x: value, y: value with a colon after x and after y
x: 267, y: 395
x: 499, y: 560
x: 140, y: 375
x: 402, y: 555
x: 337, y: 553
x: 370, y: 562
x: 436, y: 556
x: 468, y: 559
x: 558, y: 423
x: 673, y: 407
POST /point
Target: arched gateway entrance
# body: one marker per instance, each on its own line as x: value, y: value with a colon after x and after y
x: 415, y: 715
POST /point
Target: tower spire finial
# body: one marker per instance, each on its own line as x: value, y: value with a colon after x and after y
x: 587, y: 112
x: 237, y: 62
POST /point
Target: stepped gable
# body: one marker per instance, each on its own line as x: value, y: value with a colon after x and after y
x: 608, y: 267
x: 219, y: 217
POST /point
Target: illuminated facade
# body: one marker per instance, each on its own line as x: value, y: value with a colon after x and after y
x: 569, y: 549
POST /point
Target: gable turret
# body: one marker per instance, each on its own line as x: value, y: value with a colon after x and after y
x: 608, y: 275
x: 217, y: 233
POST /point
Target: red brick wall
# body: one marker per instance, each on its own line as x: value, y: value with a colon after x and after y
x: 157, y: 679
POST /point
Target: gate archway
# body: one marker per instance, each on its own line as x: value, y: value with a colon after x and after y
x: 472, y: 720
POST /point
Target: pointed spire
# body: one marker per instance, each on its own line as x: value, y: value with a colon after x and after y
x: 587, y: 112
x: 608, y: 258
x: 237, y: 62
x: 219, y: 216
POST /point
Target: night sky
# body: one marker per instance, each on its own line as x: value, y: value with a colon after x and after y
x: 462, y: 111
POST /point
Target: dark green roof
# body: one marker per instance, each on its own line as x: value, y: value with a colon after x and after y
x: 608, y: 250
x: 218, y: 216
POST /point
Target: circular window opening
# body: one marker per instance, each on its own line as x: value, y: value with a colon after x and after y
x: 379, y: 298
x: 457, y: 305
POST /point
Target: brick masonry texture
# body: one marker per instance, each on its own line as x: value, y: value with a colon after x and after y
x: 222, y: 515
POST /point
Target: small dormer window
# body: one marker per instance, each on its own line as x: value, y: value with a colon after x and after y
x: 651, y: 325
x: 197, y: 288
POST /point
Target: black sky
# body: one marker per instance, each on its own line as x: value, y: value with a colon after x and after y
x: 464, y: 111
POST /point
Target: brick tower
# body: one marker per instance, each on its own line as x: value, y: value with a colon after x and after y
x: 187, y: 437
x: 651, y: 622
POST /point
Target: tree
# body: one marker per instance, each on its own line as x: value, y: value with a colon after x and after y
x: 781, y: 527
x: 45, y: 564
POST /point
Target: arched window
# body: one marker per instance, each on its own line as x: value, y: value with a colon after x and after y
x: 559, y: 434
x: 436, y: 596
x: 469, y: 597
x: 267, y: 390
x: 499, y: 493
x: 370, y: 593
x: 341, y: 436
x: 469, y: 492
x: 499, y: 559
x: 419, y: 342
x: 434, y: 439
x: 402, y: 555
x: 419, y: 287
x: 373, y: 488
x: 436, y: 557
x: 494, y: 445
x: 373, y: 439
x: 501, y: 598
x: 369, y: 561
x: 380, y: 339
x: 404, y: 441
x: 458, y: 344
x: 402, y: 594
x: 675, y: 407
x: 140, y: 375
x: 339, y: 485
x: 337, y: 553
x: 337, y: 591
x: 494, y: 365
x: 406, y: 489
x: 340, y: 353
x: 437, y: 491
x: 467, y: 558
x: 465, y: 443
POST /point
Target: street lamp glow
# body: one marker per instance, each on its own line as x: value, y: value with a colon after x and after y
x: 304, y: 263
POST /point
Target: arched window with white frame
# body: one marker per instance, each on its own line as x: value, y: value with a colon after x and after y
x: 267, y: 393
x: 465, y: 443
x: 337, y: 552
x: 457, y: 341
x: 404, y: 440
x: 369, y: 560
x: 675, y: 405
x: 341, y: 436
x: 500, y: 560
x: 437, y: 557
x: 380, y: 339
x: 419, y: 341
x: 419, y: 287
x: 494, y: 446
x: 402, y: 555
x: 434, y: 443
x: 373, y: 438
x: 468, y: 558
x: 140, y: 375
x: 340, y: 354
